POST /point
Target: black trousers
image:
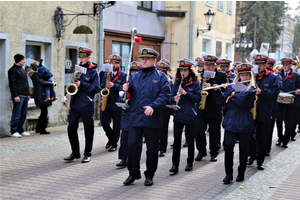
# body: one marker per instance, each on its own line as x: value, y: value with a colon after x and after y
x: 229, y: 143
x: 296, y: 121
x: 112, y: 134
x: 270, y: 130
x: 88, y: 123
x: 43, y: 120
x: 190, y: 130
x: 258, y: 142
x: 123, y: 145
x: 163, y: 142
x: 135, y: 137
x: 214, y: 135
x: 286, y: 113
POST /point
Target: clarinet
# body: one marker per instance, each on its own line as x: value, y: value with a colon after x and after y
x: 180, y: 86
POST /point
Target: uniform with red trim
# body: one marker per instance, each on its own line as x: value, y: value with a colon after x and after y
x: 211, y: 115
x: 224, y: 67
x: 287, y: 112
x: 112, y: 111
x: 189, y: 95
x: 267, y: 89
x: 83, y: 106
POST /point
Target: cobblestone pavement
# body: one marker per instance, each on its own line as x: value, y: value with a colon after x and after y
x: 33, y: 168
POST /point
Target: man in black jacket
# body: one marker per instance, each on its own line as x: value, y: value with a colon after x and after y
x: 211, y: 115
x: 19, y: 89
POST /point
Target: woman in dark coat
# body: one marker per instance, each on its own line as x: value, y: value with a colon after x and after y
x: 39, y: 97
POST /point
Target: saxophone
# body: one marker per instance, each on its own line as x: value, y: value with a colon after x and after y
x: 104, y: 93
x: 72, y: 89
x: 203, y: 95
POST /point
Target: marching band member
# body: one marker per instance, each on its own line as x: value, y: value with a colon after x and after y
x: 164, y: 67
x: 224, y: 67
x: 150, y: 92
x: 112, y: 111
x: 270, y: 67
x: 238, y: 121
x: 186, y: 93
x: 296, y: 69
x: 286, y: 112
x: 211, y: 115
x: 267, y: 88
x: 199, y: 63
x: 134, y: 67
x: 83, y: 106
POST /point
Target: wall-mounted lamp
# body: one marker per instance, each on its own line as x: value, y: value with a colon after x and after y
x: 209, y: 18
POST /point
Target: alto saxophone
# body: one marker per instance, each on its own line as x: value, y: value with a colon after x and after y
x: 104, y: 93
x: 72, y: 89
x: 204, y: 94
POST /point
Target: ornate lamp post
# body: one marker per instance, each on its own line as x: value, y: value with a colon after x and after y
x: 242, y: 44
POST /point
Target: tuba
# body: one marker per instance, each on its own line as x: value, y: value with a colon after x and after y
x: 204, y: 94
x: 71, y: 90
x: 104, y: 93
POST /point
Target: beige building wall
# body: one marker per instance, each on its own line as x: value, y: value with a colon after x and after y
x: 24, y: 22
x: 177, y: 30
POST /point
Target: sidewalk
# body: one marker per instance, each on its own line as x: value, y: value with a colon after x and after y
x: 33, y: 168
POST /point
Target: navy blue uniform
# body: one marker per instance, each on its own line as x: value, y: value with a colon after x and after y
x: 238, y: 124
x: 186, y: 117
x: 148, y: 87
x: 211, y: 115
x: 269, y: 85
x: 286, y: 112
x: 230, y: 76
x: 83, y: 105
x: 112, y: 111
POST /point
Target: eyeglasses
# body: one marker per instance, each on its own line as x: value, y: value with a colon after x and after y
x: 82, y: 57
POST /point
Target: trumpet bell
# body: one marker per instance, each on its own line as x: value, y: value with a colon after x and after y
x: 71, y: 89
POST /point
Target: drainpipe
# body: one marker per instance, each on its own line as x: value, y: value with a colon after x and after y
x: 101, y: 38
x: 191, y: 31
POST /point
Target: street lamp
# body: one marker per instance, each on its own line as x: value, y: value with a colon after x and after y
x: 242, y: 44
x: 209, y: 18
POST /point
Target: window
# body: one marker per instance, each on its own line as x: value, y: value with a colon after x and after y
x: 123, y: 49
x: 209, y: 3
x: 229, y: 7
x: 69, y: 66
x: 33, y: 51
x: 147, y: 5
x: 220, y: 5
x: 228, y: 51
x: 206, y: 47
x: 218, y: 48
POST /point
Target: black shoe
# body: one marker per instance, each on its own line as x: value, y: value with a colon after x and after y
x: 250, y: 160
x: 174, y: 170
x: 112, y: 149
x: 189, y: 167
x: 72, y: 157
x: 200, y: 156
x: 148, y: 182
x: 213, y: 158
x: 44, y: 132
x: 122, y: 163
x: 278, y: 142
x: 108, y: 145
x: 86, y: 159
x: 267, y: 153
x: 171, y: 146
x: 185, y: 144
x: 131, y: 179
x: 239, y: 178
x: 260, y: 167
x: 162, y: 154
x: 284, y: 146
x: 227, y: 179
x: 293, y: 139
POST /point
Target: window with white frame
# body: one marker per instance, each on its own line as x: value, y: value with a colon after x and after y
x: 206, y: 47
x: 220, y: 5
x: 229, y: 7
x: 228, y: 50
x: 33, y: 51
x: 123, y: 49
x: 209, y: 3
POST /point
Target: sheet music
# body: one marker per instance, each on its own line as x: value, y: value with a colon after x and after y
x: 239, y: 87
x: 107, y: 68
x: 209, y: 74
x: 80, y: 69
x: 176, y: 107
x: 255, y: 69
x: 123, y: 105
